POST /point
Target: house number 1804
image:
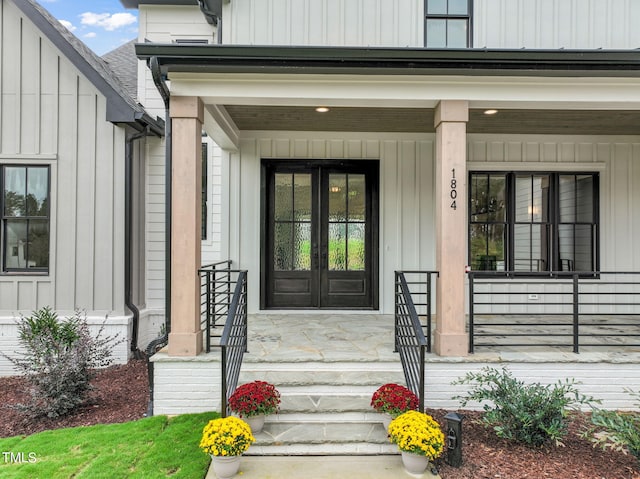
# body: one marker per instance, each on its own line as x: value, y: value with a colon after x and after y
x: 453, y: 192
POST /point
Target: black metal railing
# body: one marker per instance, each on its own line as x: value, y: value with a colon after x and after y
x: 410, y: 341
x: 223, y: 311
x: 216, y: 288
x: 420, y: 285
x: 554, y: 309
x: 233, y: 343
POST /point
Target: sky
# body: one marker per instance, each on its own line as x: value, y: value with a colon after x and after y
x: 101, y: 24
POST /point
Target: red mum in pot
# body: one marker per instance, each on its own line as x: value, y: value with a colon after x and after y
x: 255, y: 398
x: 394, y: 399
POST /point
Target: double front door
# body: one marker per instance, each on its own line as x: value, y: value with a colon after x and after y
x: 320, y: 223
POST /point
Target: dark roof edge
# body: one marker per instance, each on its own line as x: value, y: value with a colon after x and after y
x: 119, y: 109
x: 394, y: 61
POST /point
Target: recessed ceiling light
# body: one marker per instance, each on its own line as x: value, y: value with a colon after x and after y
x: 322, y: 109
x: 490, y: 112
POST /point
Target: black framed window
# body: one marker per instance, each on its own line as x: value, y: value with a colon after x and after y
x: 25, y: 218
x: 533, y: 222
x: 448, y: 23
x: 205, y: 182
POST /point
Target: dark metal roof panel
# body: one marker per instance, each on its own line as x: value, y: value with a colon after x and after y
x: 391, y: 61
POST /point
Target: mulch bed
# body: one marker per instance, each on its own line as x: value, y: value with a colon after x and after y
x: 485, y: 456
x: 121, y: 394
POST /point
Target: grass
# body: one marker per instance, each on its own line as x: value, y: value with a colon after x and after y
x: 155, y: 447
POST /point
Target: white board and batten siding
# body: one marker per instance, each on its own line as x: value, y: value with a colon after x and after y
x: 167, y: 24
x: 551, y: 24
x: 496, y: 24
x: 407, y: 239
x: 570, y: 24
x: 407, y: 218
x: 540, y: 24
x: 52, y: 115
x: 407, y: 197
x: 214, y: 246
x: 386, y: 23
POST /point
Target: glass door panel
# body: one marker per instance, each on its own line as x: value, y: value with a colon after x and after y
x: 347, y: 220
x: 320, y: 250
x: 292, y: 222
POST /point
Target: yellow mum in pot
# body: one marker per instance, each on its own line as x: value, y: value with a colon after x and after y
x: 418, y: 433
x: 227, y: 436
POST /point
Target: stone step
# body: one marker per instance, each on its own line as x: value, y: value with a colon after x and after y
x: 347, y: 373
x: 310, y: 434
x: 326, y: 449
x: 325, y: 398
x: 325, y: 408
x: 370, y: 417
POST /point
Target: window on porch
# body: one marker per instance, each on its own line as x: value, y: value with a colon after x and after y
x: 205, y: 182
x: 447, y: 23
x: 533, y: 222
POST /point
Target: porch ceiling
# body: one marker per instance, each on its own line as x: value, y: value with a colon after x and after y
x: 546, y: 90
x: 420, y: 120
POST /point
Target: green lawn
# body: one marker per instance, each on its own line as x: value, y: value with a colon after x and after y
x: 155, y: 447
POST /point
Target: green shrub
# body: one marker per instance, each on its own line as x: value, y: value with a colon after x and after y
x: 58, y: 361
x: 533, y: 414
x: 619, y: 431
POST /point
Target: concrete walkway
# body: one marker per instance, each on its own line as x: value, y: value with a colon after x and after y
x: 324, y: 467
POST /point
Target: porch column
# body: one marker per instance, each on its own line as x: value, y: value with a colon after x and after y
x: 451, y: 226
x: 185, y: 338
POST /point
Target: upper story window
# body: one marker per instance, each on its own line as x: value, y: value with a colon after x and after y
x: 448, y: 23
x: 25, y: 218
x: 533, y: 222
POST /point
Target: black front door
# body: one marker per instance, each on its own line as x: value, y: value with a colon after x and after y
x: 320, y: 245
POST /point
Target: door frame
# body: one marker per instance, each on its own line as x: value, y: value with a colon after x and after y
x: 372, y: 168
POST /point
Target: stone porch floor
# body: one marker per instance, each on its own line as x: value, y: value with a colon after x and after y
x: 351, y: 337
x: 346, y: 336
x: 302, y: 337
